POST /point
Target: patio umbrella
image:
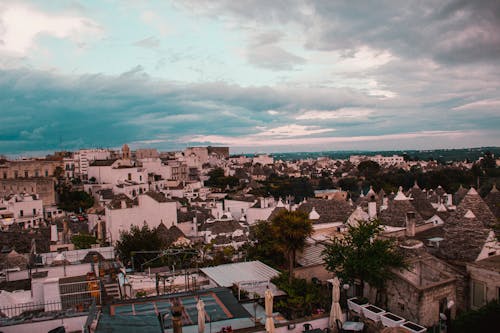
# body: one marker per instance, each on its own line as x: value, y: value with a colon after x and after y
x: 268, y: 295
x: 200, y: 306
x: 335, y: 311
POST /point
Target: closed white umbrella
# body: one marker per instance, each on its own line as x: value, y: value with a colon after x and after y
x: 200, y: 306
x: 269, y: 311
x: 335, y: 311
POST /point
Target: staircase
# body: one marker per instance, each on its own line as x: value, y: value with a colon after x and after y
x: 112, y: 290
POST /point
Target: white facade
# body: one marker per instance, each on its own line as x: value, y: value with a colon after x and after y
x: 390, y: 160
x: 84, y: 157
x: 154, y: 165
x: 148, y: 211
x: 115, y: 175
x: 25, y: 210
x: 263, y: 159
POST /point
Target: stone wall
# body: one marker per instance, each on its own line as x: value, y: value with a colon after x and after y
x: 28, y: 169
x: 420, y: 305
x: 43, y: 186
x: 317, y: 271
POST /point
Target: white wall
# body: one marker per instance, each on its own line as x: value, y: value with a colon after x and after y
x: 72, y: 324
x: 148, y: 210
x: 106, y: 174
x: 258, y: 214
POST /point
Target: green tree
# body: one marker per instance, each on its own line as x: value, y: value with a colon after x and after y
x: 74, y: 201
x: 360, y: 254
x: 368, y: 169
x: 291, y: 230
x: 136, y: 240
x: 264, y: 246
x: 217, y: 179
x: 83, y: 241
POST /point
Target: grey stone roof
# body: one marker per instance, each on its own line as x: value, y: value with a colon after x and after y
x: 395, y: 214
x: 169, y: 236
x: 421, y: 203
x: 329, y: 210
x: 116, y: 202
x: 221, y: 227
x: 493, y: 201
x: 464, y: 238
x: 472, y: 201
x: 459, y: 195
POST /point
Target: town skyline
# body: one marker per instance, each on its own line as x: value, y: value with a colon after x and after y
x: 256, y: 77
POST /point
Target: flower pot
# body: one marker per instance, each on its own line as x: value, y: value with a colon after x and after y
x: 391, y: 320
x: 413, y: 328
x: 372, y: 312
x: 355, y: 304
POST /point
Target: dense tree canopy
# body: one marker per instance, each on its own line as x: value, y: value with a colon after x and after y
x: 218, y: 179
x: 83, y: 241
x: 290, y: 230
x: 135, y: 240
x: 75, y: 201
x: 359, y: 254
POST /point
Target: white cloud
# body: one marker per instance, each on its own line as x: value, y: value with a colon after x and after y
x: 256, y: 141
x: 157, y: 22
x: 272, y: 112
x: 22, y: 25
x: 342, y: 113
x: 293, y: 130
x: 484, y: 105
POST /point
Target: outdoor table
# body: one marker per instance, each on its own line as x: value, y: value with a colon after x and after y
x: 353, y: 326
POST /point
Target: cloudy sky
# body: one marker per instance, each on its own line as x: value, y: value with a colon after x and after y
x: 261, y: 75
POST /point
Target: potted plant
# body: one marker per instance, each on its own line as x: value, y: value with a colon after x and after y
x: 355, y: 303
x: 413, y: 328
x: 391, y: 320
x: 372, y: 312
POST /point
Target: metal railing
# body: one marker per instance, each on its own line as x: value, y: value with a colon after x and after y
x: 81, y: 294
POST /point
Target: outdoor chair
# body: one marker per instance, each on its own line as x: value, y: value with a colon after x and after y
x: 307, y: 327
x: 339, y: 326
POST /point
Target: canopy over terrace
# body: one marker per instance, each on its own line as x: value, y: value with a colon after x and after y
x: 251, y: 276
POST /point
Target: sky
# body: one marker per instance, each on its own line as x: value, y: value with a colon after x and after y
x: 257, y: 76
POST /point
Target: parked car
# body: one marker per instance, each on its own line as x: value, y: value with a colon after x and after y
x: 73, y: 218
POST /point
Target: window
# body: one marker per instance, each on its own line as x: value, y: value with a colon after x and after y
x: 26, y: 174
x: 37, y: 173
x: 16, y: 174
x: 34, y: 211
x: 21, y: 213
x: 478, y: 294
x: 129, y: 176
x: 5, y: 175
x: 46, y: 173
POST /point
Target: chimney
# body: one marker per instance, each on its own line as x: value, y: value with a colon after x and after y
x: 372, y: 210
x: 449, y: 201
x: 410, y: 224
x: 195, y: 225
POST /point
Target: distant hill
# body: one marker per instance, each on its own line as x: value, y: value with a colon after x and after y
x: 441, y: 155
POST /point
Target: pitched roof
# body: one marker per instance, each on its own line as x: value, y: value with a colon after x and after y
x: 395, y: 214
x: 493, y: 201
x: 221, y: 227
x: 158, y: 196
x: 421, y: 203
x: 472, y: 201
x: 169, y: 236
x: 464, y: 237
x: 333, y: 210
x: 459, y: 195
x: 116, y: 202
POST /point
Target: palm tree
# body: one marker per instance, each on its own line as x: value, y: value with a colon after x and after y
x: 291, y: 230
